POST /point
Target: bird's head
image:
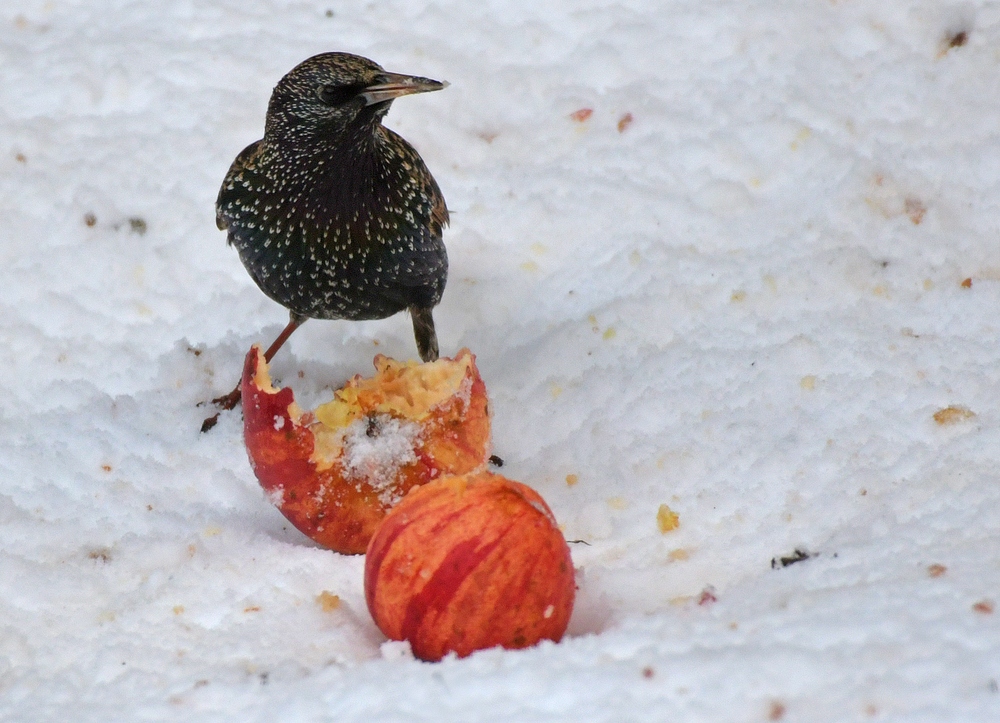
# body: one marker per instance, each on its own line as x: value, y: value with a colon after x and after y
x: 336, y: 95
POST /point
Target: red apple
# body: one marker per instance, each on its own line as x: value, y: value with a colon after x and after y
x: 335, y: 472
x: 466, y: 563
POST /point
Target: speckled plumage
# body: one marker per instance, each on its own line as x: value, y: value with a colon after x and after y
x: 334, y: 215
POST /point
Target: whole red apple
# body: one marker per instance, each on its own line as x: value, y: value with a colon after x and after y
x: 467, y: 563
x: 335, y: 472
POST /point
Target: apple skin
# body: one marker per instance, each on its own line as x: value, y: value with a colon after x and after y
x: 468, y: 563
x: 323, y: 501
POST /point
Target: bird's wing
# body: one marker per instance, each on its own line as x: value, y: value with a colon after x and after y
x: 243, y: 162
x: 419, y: 267
x: 420, y: 270
x: 439, y: 211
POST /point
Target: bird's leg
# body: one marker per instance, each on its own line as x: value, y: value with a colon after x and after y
x: 229, y: 401
x: 423, y: 331
x: 294, y: 322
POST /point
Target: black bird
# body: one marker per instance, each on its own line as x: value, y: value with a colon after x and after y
x: 334, y: 215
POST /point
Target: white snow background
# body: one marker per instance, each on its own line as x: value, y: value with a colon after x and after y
x: 747, y: 304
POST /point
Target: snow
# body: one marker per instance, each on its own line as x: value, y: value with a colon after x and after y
x: 375, y: 448
x: 747, y: 304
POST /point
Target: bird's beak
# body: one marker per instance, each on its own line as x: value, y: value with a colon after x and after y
x: 393, y: 85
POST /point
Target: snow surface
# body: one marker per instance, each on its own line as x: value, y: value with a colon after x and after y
x: 748, y: 304
x: 375, y: 448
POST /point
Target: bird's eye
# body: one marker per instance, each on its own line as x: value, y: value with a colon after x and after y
x: 337, y: 94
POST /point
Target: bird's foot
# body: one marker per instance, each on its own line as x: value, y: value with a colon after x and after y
x: 224, y: 403
x: 228, y: 401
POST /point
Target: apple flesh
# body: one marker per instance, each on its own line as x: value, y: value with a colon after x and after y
x: 467, y: 563
x: 334, y: 472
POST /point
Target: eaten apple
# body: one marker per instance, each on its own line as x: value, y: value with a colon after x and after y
x: 335, y: 471
x: 467, y: 563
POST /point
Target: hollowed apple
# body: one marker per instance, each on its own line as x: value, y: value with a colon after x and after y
x: 334, y: 472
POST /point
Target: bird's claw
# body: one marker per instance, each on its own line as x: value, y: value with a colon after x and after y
x: 210, y: 422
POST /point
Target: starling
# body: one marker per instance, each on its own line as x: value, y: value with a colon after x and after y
x: 335, y: 216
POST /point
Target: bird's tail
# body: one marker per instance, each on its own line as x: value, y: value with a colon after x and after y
x: 423, y: 331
